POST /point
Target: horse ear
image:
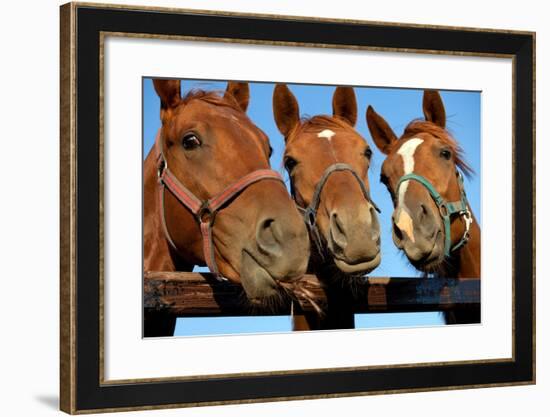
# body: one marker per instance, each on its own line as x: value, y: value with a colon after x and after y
x: 169, y: 92
x: 285, y: 109
x: 240, y: 92
x: 380, y: 130
x: 344, y: 104
x: 434, y: 110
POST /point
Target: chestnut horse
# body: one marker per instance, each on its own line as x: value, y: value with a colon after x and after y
x: 327, y: 161
x: 211, y: 198
x: 432, y: 221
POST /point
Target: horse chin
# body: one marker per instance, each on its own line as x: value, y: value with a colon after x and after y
x: 360, y: 267
x: 256, y: 280
x: 430, y: 267
x: 430, y: 261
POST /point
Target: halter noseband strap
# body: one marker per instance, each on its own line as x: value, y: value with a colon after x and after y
x: 310, y: 212
x: 446, y: 208
x: 204, y: 211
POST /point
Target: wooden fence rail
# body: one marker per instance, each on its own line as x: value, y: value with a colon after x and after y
x: 186, y: 294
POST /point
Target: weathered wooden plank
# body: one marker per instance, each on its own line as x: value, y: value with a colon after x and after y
x: 192, y: 294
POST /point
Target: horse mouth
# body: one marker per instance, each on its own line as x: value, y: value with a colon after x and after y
x: 363, y: 266
x: 256, y: 280
x: 433, y: 259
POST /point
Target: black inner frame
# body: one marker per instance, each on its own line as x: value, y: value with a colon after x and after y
x: 91, y: 395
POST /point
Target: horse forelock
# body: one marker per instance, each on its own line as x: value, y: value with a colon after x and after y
x: 216, y: 98
x: 315, y: 124
x: 421, y: 126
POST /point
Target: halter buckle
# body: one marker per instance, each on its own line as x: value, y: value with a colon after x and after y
x: 468, y: 220
x: 443, y: 210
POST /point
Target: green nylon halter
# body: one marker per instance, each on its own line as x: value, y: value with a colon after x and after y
x: 446, y: 209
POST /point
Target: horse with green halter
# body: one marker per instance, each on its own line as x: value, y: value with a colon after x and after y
x: 437, y: 232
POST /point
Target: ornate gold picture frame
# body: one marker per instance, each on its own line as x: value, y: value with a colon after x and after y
x: 84, y: 28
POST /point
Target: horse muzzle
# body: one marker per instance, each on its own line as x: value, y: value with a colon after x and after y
x: 420, y: 236
x: 279, y: 253
x: 354, y: 239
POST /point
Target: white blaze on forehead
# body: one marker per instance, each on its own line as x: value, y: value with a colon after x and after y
x: 327, y: 134
x: 407, y: 150
x: 404, y: 221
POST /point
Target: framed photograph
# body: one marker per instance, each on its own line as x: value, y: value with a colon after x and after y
x: 265, y: 208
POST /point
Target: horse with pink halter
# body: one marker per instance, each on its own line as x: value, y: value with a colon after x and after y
x: 211, y: 198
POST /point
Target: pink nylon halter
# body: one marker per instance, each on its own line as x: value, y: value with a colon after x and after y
x: 203, y: 211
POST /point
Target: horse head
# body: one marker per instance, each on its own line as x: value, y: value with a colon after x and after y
x: 327, y: 161
x: 227, y: 208
x: 422, y: 173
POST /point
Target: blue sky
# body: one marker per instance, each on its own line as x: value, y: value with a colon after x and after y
x: 398, y: 106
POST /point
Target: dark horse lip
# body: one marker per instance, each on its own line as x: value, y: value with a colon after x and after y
x: 259, y: 283
x: 348, y: 266
x: 361, y: 266
x: 357, y: 262
x: 258, y: 263
x: 275, y: 279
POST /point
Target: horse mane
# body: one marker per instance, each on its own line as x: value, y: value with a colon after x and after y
x: 314, y: 123
x: 421, y: 126
x: 217, y: 98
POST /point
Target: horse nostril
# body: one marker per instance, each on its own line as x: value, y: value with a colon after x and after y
x: 397, y: 232
x: 338, y: 224
x: 374, y: 224
x: 426, y: 223
x: 423, y: 211
x: 337, y: 231
x: 266, y: 224
x: 266, y: 237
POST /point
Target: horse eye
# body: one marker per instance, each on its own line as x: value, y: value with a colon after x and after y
x: 445, y: 154
x: 290, y: 164
x: 270, y: 151
x: 190, y: 141
x: 386, y: 181
x: 368, y: 153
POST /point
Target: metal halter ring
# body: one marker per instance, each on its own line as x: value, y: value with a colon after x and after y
x: 206, y: 215
x: 162, y: 166
x: 310, y: 216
